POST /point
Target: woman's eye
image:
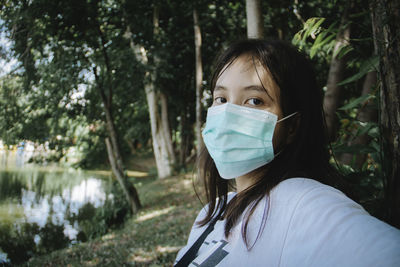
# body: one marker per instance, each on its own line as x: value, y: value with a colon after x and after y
x: 220, y: 100
x: 254, y: 101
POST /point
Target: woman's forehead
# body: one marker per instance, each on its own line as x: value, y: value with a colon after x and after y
x: 246, y: 61
x: 248, y: 66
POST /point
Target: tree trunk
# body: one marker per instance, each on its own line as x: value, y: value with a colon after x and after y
x: 160, y: 130
x: 130, y: 191
x: 166, y: 129
x: 114, y: 139
x: 183, y: 144
x: 199, y: 80
x: 333, y: 93
x: 113, y: 151
x: 366, y: 114
x: 131, y: 145
x: 159, y: 145
x: 114, y: 154
x: 255, y: 20
x: 386, y: 28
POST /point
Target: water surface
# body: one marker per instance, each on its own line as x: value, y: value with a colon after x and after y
x: 47, y: 208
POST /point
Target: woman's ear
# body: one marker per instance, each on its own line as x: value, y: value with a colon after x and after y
x: 293, y: 128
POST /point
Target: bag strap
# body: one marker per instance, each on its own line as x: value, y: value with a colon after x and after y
x: 190, y: 255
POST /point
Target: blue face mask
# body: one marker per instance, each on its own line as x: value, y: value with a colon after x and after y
x: 239, y: 139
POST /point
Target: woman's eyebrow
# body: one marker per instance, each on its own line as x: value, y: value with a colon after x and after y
x: 254, y: 88
x: 219, y: 88
x: 258, y: 89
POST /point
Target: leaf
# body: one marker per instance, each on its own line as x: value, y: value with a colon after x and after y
x: 343, y: 51
x: 366, y: 127
x: 356, y: 102
x: 354, y: 149
x: 369, y: 65
x: 312, y: 25
x: 374, y: 132
x: 297, y: 39
x: 376, y: 146
x: 320, y: 42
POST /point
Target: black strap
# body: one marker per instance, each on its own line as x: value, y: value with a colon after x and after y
x: 190, y: 255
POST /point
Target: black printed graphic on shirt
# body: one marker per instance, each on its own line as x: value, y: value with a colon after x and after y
x: 213, y: 256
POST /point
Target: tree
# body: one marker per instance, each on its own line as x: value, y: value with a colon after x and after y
x: 255, y: 22
x: 199, y: 80
x: 386, y: 27
x: 11, y: 125
x: 333, y: 94
x: 161, y: 134
x: 51, y: 33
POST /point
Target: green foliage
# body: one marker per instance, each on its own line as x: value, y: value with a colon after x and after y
x: 364, y: 171
x: 60, y: 46
x: 358, y: 145
x: 12, y: 105
x: 51, y: 238
x: 59, y: 88
x: 18, y: 243
x: 368, y: 65
x: 95, y: 222
x: 314, y: 39
x: 354, y: 103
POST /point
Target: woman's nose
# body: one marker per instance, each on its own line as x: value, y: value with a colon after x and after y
x: 235, y: 101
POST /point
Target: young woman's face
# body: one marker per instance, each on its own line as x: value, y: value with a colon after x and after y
x: 249, y: 84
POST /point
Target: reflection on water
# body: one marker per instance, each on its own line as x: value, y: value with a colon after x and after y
x: 42, y: 210
x: 37, y: 208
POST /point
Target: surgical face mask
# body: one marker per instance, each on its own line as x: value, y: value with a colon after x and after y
x: 239, y: 139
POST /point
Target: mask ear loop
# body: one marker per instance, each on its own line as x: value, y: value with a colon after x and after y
x: 287, y: 117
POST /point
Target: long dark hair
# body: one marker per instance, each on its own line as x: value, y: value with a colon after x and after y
x: 307, y: 155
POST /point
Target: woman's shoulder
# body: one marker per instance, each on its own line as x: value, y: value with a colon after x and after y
x: 303, y: 200
x: 323, y: 220
x: 305, y: 190
x: 300, y: 185
x: 311, y: 198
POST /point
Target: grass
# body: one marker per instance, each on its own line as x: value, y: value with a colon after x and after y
x: 150, y: 238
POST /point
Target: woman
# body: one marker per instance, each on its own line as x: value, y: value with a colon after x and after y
x: 265, y: 129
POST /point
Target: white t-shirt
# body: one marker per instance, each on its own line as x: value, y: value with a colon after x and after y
x: 308, y: 224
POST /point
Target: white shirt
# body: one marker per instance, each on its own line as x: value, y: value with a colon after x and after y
x: 308, y: 224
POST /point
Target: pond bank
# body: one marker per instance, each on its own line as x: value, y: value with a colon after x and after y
x: 150, y: 238
x: 45, y: 209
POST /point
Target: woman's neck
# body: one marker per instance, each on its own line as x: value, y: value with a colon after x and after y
x: 243, y: 182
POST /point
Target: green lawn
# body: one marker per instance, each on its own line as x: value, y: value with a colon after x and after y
x: 150, y: 238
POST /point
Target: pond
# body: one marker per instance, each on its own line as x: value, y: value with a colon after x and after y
x: 47, y: 208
